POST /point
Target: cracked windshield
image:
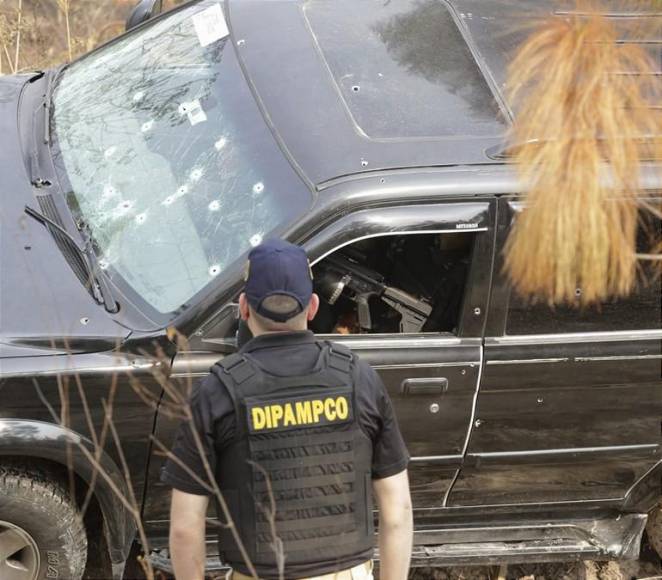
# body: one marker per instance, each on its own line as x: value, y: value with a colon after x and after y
x: 167, y: 157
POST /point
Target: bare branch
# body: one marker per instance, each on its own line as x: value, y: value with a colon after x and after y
x: 270, y: 513
x: 172, y: 457
x: 19, y: 16
x: 147, y: 565
x: 101, y: 445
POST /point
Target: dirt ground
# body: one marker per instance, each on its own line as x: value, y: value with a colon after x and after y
x: 648, y: 567
x: 561, y: 571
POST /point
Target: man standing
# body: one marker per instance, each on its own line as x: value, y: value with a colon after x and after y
x: 295, y: 423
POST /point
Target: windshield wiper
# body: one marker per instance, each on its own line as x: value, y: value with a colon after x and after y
x: 99, y: 286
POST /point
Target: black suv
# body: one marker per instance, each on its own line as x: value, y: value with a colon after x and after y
x: 135, y: 180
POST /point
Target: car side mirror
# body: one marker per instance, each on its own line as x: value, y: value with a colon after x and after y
x: 144, y: 10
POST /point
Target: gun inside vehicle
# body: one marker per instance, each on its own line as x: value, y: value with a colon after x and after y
x: 340, y: 274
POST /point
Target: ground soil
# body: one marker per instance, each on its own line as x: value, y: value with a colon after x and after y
x: 556, y: 571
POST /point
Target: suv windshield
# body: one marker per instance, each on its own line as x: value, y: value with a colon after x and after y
x: 167, y: 158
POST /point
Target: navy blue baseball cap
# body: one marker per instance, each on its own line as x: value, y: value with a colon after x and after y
x: 278, y: 268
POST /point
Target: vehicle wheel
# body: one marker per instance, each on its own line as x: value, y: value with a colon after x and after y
x: 654, y: 529
x: 42, y: 534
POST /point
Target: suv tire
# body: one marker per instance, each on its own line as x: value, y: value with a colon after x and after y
x: 42, y: 534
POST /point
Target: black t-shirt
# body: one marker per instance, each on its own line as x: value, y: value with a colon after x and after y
x: 285, y: 354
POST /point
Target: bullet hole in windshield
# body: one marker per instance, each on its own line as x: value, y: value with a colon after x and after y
x: 214, y: 205
x: 256, y: 240
x: 109, y: 191
x: 196, y: 174
x: 214, y: 270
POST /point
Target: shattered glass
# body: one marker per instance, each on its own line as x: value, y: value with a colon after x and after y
x: 168, y: 159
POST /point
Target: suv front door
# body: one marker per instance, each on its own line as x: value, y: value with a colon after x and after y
x: 432, y: 378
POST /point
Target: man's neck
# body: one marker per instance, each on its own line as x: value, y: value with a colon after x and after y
x: 261, y: 332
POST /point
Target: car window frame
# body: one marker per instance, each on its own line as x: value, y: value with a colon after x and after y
x: 474, y: 308
x: 497, y: 322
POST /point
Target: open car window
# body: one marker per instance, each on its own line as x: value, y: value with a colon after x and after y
x: 404, y: 284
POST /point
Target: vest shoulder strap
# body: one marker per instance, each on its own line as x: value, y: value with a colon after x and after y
x: 340, y: 357
x: 237, y: 367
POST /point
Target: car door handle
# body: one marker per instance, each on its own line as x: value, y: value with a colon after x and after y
x: 424, y: 386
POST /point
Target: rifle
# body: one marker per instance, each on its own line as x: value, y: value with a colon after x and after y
x: 340, y: 273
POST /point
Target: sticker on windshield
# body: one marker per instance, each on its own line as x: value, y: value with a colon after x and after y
x: 194, y: 111
x: 210, y: 25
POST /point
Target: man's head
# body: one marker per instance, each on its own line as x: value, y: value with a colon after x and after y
x: 279, y: 289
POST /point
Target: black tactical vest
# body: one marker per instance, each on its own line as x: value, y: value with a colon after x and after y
x: 297, y: 440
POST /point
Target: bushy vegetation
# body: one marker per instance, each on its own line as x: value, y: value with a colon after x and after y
x: 37, y: 34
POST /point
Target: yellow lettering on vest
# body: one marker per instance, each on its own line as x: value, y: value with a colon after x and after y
x: 289, y: 416
x: 342, y: 408
x: 277, y: 411
x: 304, y: 412
x: 318, y: 409
x: 259, y: 418
x: 267, y: 413
x: 330, y: 409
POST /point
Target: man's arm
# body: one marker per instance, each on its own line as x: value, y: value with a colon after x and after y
x: 396, y: 526
x: 187, y: 534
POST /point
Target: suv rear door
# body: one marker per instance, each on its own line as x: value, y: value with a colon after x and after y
x: 570, y: 403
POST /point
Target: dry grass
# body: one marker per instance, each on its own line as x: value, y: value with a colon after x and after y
x: 36, y: 34
x: 579, y: 229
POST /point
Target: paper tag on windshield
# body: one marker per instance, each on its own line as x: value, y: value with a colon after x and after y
x: 210, y: 25
x: 194, y: 111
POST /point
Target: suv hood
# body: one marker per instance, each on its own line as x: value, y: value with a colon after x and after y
x: 44, y: 308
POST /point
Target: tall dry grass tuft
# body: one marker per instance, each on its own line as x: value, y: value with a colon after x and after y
x: 582, y: 132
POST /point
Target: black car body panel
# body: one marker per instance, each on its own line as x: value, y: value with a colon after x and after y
x: 43, y: 304
x: 348, y: 150
x: 533, y: 436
